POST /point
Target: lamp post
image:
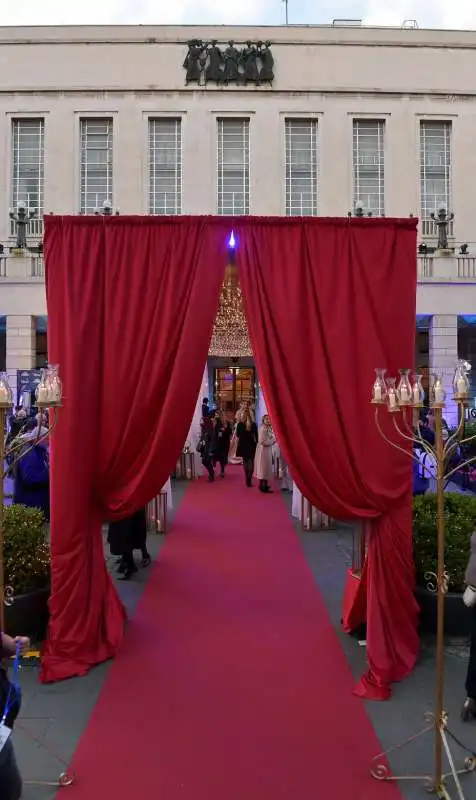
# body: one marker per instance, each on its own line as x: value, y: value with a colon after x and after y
x: 21, y: 217
x: 286, y: 12
x: 48, y: 397
x: 402, y: 399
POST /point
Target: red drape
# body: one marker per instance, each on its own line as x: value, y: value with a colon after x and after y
x: 131, y: 304
x: 327, y: 301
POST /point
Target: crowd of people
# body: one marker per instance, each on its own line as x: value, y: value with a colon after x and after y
x: 219, y: 443
x: 246, y: 444
x: 28, y: 459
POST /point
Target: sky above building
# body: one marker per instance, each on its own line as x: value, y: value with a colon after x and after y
x: 428, y: 13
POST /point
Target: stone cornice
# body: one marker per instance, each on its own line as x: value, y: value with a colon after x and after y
x: 282, y: 36
x: 146, y: 92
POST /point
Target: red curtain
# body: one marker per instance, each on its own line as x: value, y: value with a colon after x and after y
x: 131, y: 304
x: 327, y: 301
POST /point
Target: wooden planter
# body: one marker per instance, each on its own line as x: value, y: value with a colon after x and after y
x: 457, y: 617
x: 28, y: 615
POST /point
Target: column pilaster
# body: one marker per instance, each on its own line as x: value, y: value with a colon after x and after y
x: 443, y: 354
x: 21, y: 346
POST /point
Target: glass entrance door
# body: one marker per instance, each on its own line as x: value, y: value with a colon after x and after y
x: 233, y: 385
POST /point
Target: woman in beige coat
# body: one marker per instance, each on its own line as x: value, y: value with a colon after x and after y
x: 264, y: 455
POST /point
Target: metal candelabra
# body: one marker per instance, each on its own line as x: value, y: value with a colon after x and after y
x: 403, y: 403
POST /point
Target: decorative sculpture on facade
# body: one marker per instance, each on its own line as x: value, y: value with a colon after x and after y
x: 442, y: 220
x: 21, y: 217
x: 206, y: 62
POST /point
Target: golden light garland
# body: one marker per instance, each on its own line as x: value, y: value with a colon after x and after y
x: 230, y: 332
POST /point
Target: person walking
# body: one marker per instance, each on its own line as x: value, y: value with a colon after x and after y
x: 221, y: 441
x: 247, y: 435
x: 264, y: 455
x: 125, y: 536
x: 204, y: 447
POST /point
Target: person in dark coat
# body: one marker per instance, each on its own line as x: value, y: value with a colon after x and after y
x: 420, y: 478
x: 10, y: 777
x: 17, y: 426
x: 17, y: 423
x: 204, y: 447
x: 247, y: 435
x: 126, y: 535
x: 32, y: 475
x: 426, y: 429
x: 221, y: 438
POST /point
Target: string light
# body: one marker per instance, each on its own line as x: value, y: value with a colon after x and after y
x: 230, y: 331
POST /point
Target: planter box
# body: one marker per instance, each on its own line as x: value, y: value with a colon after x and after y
x: 457, y: 616
x: 28, y: 616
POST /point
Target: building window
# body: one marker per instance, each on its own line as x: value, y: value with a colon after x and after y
x: 368, y: 159
x: 233, y: 163
x: 435, y: 173
x: 41, y: 342
x: 96, y: 164
x: 301, y: 167
x: 28, y: 164
x: 165, y: 166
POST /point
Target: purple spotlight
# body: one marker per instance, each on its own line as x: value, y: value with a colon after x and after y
x: 232, y: 241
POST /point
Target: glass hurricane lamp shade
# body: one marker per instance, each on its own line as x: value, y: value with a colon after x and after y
x: 379, y: 389
x: 41, y: 391
x: 404, y: 389
x: 50, y: 389
x: 418, y: 392
x: 437, y: 393
x: 392, y: 396
x: 6, y: 395
x: 461, y: 381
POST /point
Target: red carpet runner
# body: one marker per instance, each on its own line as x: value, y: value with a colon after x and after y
x: 231, y: 684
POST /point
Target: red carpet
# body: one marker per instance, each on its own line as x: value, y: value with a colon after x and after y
x: 231, y: 684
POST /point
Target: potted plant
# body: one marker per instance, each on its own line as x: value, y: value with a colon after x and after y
x: 27, y: 570
x: 460, y: 522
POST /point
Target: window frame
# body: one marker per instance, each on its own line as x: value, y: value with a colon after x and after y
x: 428, y: 227
x: 378, y: 167
x: 313, y: 173
x: 176, y: 170
x: 227, y: 169
x: 35, y: 225
x: 84, y: 166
